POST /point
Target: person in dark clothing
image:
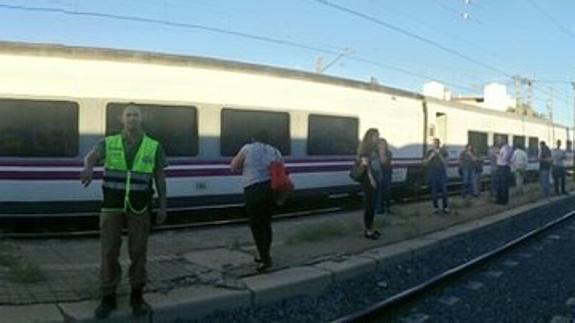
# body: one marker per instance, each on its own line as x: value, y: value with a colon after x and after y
x: 369, y: 157
x: 545, y: 160
x: 559, y: 157
x: 503, y: 171
x: 253, y: 160
x: 436, y: 162
x: 383, y: 198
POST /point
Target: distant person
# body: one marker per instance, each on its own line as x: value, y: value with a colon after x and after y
x: 368, y: 155
x: 492, y: 156
x: 545, y: 160
x: 132, y: 161
x: 468, y: 167
x: 383, y: 199
x: 559, y: 156
x: 253, y: 161
x: 436, y: 162
x: 503, y: 171
x: 519, y: 162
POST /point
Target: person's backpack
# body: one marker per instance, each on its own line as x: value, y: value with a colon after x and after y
x: 358, y: 171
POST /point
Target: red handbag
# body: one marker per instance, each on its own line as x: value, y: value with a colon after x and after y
x: 280, y: 181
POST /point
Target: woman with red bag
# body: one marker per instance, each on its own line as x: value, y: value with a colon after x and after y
x: 254, y: 161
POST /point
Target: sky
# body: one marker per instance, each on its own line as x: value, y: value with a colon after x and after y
x: 402, y: 44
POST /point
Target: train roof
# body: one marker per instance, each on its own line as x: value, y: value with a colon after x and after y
x: 134, y: 56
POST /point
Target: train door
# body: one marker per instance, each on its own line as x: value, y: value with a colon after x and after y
x: 441, y: 126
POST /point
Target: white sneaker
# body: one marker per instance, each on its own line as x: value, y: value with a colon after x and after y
x: 435, y: 211
x: 446, y: 210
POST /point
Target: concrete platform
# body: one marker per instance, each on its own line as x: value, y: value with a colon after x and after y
x: 198, y: 272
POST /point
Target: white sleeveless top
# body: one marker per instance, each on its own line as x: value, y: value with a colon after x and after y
x: 258, y: 157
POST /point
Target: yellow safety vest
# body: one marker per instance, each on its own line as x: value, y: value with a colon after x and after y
x: 117, y: 176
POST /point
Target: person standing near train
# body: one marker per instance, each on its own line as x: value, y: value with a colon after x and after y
x: 503, y: 171
x: 132, y: 161
x: 368, y: 155
x: 492, y: 156
x: 383, y: 198
x: 545, y: 160
x: 519, y: 162
x: 559, y: 156
x: 468, y: 168
x: 436, y: 162
x: 253, y: 161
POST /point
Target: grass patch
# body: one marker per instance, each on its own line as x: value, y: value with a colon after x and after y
x: 26, y: 273
x: 319, y: 232
x: 467, y: 203
x: 20, y: 271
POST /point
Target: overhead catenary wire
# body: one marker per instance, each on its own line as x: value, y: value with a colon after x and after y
x: 277, y: 41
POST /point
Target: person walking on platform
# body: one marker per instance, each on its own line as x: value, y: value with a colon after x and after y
x: 436, y: 162
x: 559, y: 156
x: 545, y: 160
x: 368, y: 155
x: 468, y: 168
x: 503, y: 171
x: 519, y: 162
x: 132, y: 161
x: 383, y: 198
x: 253, y: 161
x: 492, y: 156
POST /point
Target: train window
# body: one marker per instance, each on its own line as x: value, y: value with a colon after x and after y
x: 331, y: 135
x: 478, y: 141
x: 500, y: 135
x: 533, y: 149
x: 519, y: 141
x: 30, y: 128
x: 175, y: 127
x: 240, y: 126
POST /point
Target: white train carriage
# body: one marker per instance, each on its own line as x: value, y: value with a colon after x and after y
x: 57, y: 102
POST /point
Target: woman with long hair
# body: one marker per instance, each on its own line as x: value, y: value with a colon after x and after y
x: 368, y: 155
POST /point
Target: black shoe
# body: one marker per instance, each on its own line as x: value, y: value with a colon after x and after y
x: 139, y: 306
x: 107, y: 305
x: 264, y: 265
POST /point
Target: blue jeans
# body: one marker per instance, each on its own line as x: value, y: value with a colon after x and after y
x: 544, y: 181
x: 559, y: 179
x: 383, y: 197
x: 502, y: 180
x: 469, y: 183
x: 438, y: 182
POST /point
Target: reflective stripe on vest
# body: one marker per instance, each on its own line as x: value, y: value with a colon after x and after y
x: 117, y: 176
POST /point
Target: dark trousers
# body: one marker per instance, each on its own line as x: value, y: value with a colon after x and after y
x: 559, y: 179
x: 502, y: 182
x: 259, y: 207
x: 369, y: 195
x: 111, y: 225
x: 383, y: 197
x: 438, y: 183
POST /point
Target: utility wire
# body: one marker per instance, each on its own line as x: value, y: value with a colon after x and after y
x: 411, y: 35
x: 559, y: 25
x: 222, y: 31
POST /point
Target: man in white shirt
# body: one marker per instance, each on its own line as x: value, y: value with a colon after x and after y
x: 503, y: 171
x: 518, y: 166
x: 558, y: 156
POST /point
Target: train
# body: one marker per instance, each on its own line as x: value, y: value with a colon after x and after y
x: 57, y: 102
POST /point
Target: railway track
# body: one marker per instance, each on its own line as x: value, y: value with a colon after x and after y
x: 404, y: 297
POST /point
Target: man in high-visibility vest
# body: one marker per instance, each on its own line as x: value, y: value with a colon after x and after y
x: 132, y: 161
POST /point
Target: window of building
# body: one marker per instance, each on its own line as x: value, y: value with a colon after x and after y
x: 533, y: 149
x: 175, y: 127
x: 500, y: 135
x: 240, y: 126
x: 30, y: 128
x: 478, y: 141
x: 519, y: 141
x: 331, y: 135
